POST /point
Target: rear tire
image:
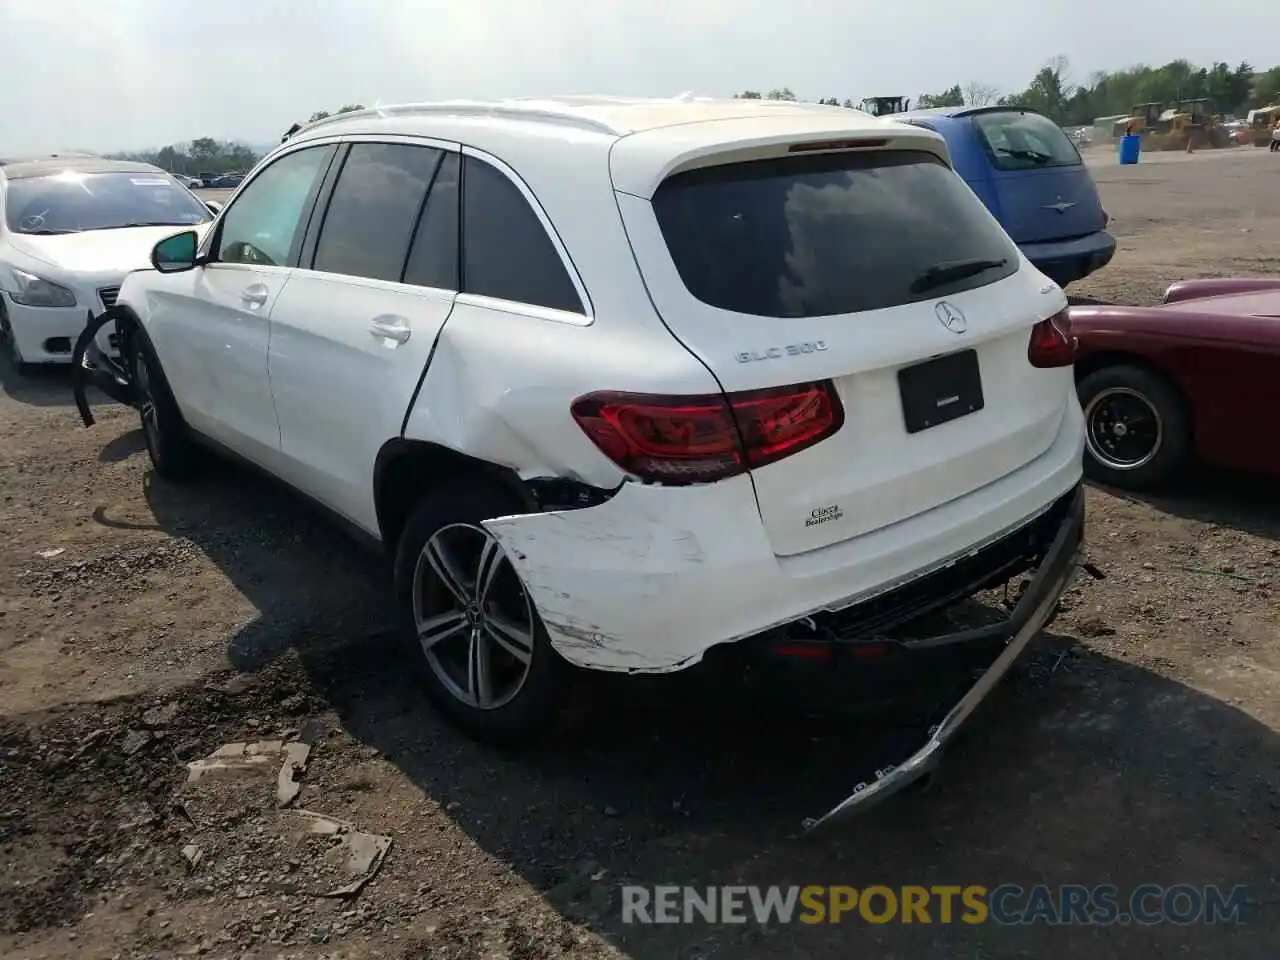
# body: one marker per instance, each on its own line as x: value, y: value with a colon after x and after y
x: 454, y: 587
x: 173, y: 454
x: 1137, y: 430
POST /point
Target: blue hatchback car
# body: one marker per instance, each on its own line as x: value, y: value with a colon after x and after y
x: 1032, y: 178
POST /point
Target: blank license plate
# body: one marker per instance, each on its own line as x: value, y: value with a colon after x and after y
x: 940, y: 390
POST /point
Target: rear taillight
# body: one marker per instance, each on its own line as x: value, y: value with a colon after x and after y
x: 1052, y: 342
x: 698, y: 439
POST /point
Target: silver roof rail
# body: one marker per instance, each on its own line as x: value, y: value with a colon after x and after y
x: 549, y: 111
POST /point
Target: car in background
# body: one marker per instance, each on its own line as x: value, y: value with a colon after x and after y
x: 772, y: 363
x: 1030, y: 175
x: 226, y: 181
x: 1194, y: 378
x: 70, y: 230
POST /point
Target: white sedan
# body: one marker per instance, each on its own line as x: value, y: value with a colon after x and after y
x: 70, y: 230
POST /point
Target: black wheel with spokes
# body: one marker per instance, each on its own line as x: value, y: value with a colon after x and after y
x: 471, y: 626
x: 1137, y: 432
x: 172, y: 452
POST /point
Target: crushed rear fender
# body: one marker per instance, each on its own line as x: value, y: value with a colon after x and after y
x: 91, y: 366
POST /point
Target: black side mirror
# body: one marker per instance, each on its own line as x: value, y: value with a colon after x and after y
x: 177, y: 253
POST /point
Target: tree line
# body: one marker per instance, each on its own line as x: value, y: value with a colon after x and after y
x: 209, y: 156
x: 204, y: 155
x: 1052, y: 91
x: 1230, y: 90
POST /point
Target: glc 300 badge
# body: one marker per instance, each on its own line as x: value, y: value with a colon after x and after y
x: 777, y: 353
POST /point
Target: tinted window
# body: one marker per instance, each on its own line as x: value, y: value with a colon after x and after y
x: 505, y: 251
x: 69, y: 202
x: 433, y: 259
x: 370, y: 220
x: 830, y: 234
x: 1024, y: 141
x: 264, y: 223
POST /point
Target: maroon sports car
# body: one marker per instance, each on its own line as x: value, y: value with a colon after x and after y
x: 1196, y: 377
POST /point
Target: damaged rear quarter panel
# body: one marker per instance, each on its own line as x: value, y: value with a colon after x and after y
x: 500, y: 385
x: 637, y: 584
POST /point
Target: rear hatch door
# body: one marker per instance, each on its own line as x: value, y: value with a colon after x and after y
x: 790, y: 268
x: 1043, y: 188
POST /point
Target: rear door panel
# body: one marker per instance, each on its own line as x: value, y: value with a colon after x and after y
x: 350, y: 338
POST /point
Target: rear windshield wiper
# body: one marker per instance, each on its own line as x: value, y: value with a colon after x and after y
x: 46, y: 233
x: 940, y: 274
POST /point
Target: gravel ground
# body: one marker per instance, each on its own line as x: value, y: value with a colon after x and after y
x: 143, y: 626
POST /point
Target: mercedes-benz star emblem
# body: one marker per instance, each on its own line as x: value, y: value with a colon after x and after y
x: 949, y: 316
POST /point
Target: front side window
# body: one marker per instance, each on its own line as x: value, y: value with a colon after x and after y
x: 370, y: 221
x: 264, y: 224
x: 1017, y: 140
x: 826, y: 234
x: 506, y: 253
x: 72, y: 202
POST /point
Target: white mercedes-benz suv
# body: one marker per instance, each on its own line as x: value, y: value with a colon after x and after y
x: 628, y: 384
x: 70, y: 229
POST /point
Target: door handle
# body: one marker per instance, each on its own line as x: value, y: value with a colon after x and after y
x: 390, y: 328
x: 255, y: 295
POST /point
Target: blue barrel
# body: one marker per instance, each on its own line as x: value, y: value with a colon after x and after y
x: 1130, y: 147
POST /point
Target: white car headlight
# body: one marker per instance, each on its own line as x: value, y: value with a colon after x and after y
x: 32, y: 291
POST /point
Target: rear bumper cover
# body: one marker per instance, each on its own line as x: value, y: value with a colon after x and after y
x: 1074, y: 259
x: 649, y: 581
x: 1029, y: 616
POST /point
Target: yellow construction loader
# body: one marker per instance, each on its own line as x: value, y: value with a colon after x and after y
x: 1173, y: 128
x: 1260, y: 123
x: 884, y: 106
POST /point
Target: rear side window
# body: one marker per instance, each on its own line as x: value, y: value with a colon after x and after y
x: 505, y: 251
x: 371, y: 218
x: 830, y: 234
x: 433, y: 258
x: 1016, y: 140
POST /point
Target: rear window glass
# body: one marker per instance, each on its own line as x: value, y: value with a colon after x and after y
x: 1025, y: 141
x: 829, y: 234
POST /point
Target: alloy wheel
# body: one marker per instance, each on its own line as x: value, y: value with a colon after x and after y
x: 473, y: 617
x: 1123, y: 429
x: 147, y: 406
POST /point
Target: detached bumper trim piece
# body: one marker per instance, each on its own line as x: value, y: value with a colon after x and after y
x: 90, y: 366
x: 1035, y: 607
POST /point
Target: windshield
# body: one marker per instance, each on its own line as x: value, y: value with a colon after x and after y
x: 1024, y: 141
x: 829, y: 234
x: 70, y: 202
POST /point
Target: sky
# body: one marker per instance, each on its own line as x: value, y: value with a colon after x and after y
x: 108, y: 75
